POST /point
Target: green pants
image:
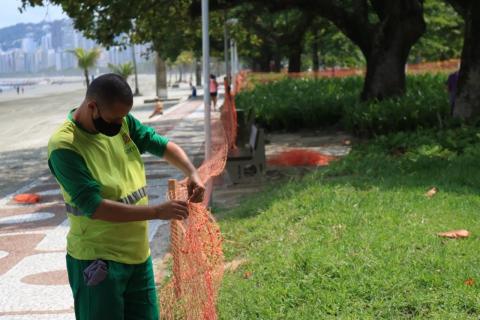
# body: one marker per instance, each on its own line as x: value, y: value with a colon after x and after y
x: 127, y: 293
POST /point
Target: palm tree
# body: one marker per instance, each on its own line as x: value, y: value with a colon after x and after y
x: 86, y: 59
x: 125, y: 69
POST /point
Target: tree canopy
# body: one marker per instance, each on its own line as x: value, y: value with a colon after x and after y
x: 301, y: 34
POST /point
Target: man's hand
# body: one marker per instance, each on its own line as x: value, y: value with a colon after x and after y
x: 177, y: 157
x: 173, y: 209
x: 196, y: 189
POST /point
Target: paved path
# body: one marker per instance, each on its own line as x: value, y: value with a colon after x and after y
x: 33, y: 280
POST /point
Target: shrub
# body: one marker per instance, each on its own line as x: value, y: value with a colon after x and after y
x: 424, y: 105
x: 293, y: 104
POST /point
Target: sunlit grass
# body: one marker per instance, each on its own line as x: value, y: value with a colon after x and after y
x: 358, y: 240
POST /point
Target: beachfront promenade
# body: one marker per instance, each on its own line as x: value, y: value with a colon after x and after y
x: 33, y: 279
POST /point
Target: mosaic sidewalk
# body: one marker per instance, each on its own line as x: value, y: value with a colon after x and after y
x: 33, y: 279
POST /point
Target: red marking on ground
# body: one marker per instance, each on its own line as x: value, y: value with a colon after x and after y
x: 18, y: 247
x: 51, y: 278
x: 57, y: 209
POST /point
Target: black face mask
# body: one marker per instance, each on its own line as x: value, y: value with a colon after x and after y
x: 106, y: 128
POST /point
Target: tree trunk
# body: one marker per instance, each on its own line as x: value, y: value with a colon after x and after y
x: 467, y: 104
x: 134, y: 59
x: 385, y: 75
x: 388, y: 49
x: 161, y: 77
x: 277, y: 62
x: 295, y: 58
x: 264, y: 64
x: 198, y: 72
x: 85, y: 72
x: 315, y: 60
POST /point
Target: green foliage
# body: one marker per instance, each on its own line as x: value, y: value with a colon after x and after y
x: 357, y: 240
x: 125, y: 69
x: 264, y: 36
x: 334, y: 48
x: 167, y: 25
x: 444, y: 36
x: 301, y: 103
x: 293, y: 104
x: 424, y: 105
x: 86, y: 58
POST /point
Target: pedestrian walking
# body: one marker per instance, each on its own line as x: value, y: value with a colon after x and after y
x: 213, y: 91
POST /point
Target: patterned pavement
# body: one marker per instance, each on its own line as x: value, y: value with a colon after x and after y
x: 33, y: 279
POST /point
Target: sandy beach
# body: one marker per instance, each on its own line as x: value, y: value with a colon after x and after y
x: 27, y: 120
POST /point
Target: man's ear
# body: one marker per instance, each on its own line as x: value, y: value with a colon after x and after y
x: 91, y: 104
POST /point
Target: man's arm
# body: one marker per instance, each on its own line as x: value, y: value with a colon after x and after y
x: 178, y: 158
x: 72, y: 173
x: 113, y: 211
x: 147, y: 139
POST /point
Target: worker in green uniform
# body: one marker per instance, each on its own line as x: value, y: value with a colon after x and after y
x: 95, y: 157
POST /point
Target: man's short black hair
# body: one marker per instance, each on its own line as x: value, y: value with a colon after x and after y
x: 109, y: 89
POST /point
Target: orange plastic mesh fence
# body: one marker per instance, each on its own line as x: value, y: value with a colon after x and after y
x: 229, y: 118
x: 419, y: 68
x: 196, y: 243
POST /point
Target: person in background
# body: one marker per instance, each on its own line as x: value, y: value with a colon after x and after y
x: 452, y: 89
x: 213, y: 91
x: 194, y: 90
x: 158, y: 109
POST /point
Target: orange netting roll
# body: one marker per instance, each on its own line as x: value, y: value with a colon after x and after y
x: 300, y: 157
x: 196, y: 243
x: 196, y: 247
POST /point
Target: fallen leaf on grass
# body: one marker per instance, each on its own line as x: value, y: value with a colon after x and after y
x: 430, y: 193
x: 454, y: 234
x: 469, y: 282
x: 247, y: 275
x: 234, y: 264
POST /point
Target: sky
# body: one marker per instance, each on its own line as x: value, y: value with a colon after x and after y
x: 9, y: 14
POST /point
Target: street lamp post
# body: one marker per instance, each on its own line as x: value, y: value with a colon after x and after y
x: 206, y: 78
x: 225, y: 47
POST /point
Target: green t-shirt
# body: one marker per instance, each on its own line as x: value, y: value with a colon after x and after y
x: 91, y: 167
x: 71, y: 172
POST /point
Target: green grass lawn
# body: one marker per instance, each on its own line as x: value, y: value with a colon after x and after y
x: 358, y: 240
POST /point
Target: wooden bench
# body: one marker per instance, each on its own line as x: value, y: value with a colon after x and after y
x: 250, y: 158
x: 245, y: 120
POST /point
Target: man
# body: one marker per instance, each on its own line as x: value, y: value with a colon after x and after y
x: 95, y: 157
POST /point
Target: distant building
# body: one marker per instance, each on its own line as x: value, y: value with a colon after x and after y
x: 46, y: 46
